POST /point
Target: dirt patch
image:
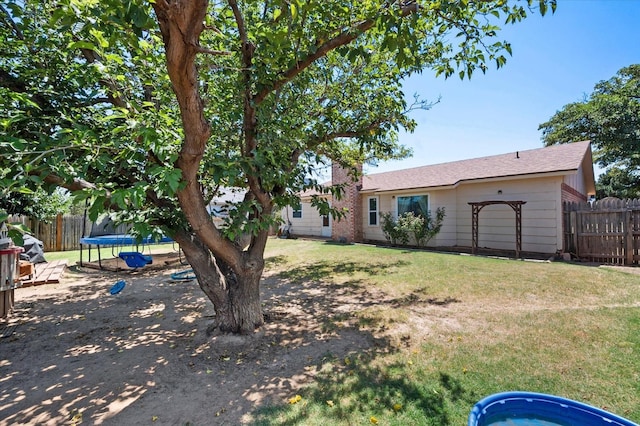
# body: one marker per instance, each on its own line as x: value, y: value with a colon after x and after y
x: 73, y: 353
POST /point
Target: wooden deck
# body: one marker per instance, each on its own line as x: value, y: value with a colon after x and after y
x: 45, y: 273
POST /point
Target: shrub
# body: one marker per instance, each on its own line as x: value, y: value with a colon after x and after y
x: 393, y: 231
x: 427, y: 227
x: 422, y: 228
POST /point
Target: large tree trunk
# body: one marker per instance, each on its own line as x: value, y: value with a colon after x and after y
x: 235, y: 296
x: 242, y: 312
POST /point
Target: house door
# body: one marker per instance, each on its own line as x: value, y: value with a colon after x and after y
x: 326, y: 226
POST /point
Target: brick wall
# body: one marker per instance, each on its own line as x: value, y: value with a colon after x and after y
x: 348, y: 228
x: 571, y: 195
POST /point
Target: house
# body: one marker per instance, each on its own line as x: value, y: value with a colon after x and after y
x: 224, y: 201
x: 514, y: 200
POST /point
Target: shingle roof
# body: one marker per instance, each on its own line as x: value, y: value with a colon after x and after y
x: 553, y: 159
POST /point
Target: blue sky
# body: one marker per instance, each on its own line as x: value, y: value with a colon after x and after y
x: 557, y: 59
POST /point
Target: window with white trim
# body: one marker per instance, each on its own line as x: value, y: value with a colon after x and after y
x: 297, y: 211
x: 417, y: 204
x: 373, y: 211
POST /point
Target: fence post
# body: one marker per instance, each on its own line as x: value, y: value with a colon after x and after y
x: 578, y: 231
x: 573, y: 229
x: 59, y: 232
x: 628, y: 237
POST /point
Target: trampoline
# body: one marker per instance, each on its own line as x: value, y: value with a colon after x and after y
x: 536, y: 409
x: 117, y: 240
x: 120, y: 240
x: 104, y: 233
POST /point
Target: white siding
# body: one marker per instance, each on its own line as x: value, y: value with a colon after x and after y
x: 448, y: 233
x: 385, y: 205
x: 541, y: 215
x: 577, y: 181
x: 309, y: 224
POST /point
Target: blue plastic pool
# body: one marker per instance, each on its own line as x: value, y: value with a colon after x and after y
x: 536, y: 409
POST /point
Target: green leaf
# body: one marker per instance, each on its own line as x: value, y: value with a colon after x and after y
x: 543, y: 7
x: 18, y: 145
x: 82, y: 45
x: 17, y: 237
x: 140, y: 17
x: 25, y: 190
x: 20, y: 227
x: 100, y: 38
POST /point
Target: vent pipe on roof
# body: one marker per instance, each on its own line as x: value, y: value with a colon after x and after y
x: 517, y: 154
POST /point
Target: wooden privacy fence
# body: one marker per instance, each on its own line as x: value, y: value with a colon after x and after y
x: 61, y: 234
x: 605, y: 231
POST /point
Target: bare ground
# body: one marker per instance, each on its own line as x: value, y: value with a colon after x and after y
x: 73, y: 353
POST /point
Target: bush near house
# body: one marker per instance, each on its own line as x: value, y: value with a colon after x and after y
x: 421, y: 227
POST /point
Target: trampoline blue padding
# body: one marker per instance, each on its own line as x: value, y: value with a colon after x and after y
x: 536, y: 409
x: 121, y: 239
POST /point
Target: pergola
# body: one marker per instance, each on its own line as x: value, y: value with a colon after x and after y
x: 475, y: 210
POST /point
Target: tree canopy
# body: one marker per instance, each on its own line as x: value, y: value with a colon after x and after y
x: 610, y: 118
x: 38, y: 205
x: 150, y: 109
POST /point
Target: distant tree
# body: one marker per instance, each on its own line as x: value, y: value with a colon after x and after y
x: 39, y: 205
x: 610, y: 118
x: 148, y: 108
x: 620, y: 183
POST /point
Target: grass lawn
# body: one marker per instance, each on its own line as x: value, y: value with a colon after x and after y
x: 452, y: 329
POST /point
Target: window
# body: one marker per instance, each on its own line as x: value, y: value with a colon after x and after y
x: 373, y: 211
x: 325, y: 220
x: 417, y: 204
x: 297, y: 211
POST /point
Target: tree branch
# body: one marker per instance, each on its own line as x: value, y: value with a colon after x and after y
x: 12, y: 83
x: 16, y: 85
x: 118, y: 101
x: 76, y: 185
x: 204, y: 50
x: 7, y: 18
x: 250, y: 121
x: 247, y: 49
x: 345, y: 37
x: 314, y: 142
